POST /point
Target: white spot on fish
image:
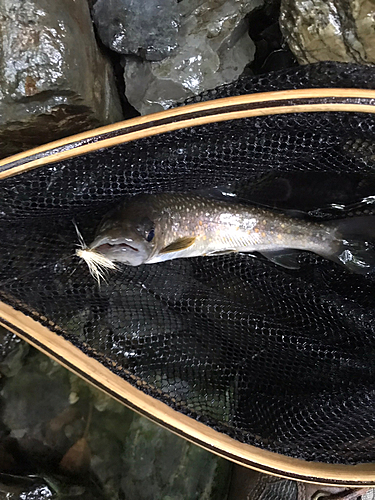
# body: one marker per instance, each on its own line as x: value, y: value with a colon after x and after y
x: 250, y: 223
x: 228, y: 218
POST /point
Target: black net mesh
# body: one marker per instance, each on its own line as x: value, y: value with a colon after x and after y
x: 277, y: 358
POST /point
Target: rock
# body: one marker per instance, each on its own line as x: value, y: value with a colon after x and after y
x: 134, y: 458
x: 14, y: 487
x: 41, y: 431
x: 329, y: 30
x: 271, y: 53
x: 108, y: 434
x: 12, y: 353
x: 53, y: 79
x: 34, y: 396
x: 148, y: 29
x: 213, y: 48
x: 54, y: 487
x: 158, y: 464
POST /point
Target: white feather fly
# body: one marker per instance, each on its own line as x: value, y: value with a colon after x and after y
x: 97, y: 263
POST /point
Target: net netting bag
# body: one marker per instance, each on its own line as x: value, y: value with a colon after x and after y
x: 278, y: 359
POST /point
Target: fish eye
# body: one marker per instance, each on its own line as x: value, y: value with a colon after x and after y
x: 150, y: 235
x: 146, y: 229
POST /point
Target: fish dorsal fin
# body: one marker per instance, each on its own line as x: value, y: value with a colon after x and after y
x: 285, y: 258
x: 179, y: 244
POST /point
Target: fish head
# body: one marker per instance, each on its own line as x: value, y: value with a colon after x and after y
x: 126, y: 234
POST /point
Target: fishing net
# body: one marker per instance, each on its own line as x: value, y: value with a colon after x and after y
x: 277, y: 358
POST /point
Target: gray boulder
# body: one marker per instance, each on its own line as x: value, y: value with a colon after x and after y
x: 213, y: 48
x: 53, y: 79
x: 147, y: 29
x: 158, y: 464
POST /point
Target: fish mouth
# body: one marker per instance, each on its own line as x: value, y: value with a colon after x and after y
x: 126, y: 250
x: 105, y: 247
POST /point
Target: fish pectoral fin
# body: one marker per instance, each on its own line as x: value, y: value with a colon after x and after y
x: 285, y: 258
x: 179, y: 244
x: 221, y: 252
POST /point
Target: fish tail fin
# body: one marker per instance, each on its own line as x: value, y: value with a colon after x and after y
x: 353, y: 245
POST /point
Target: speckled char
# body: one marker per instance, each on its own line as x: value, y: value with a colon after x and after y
x: 155, y: 228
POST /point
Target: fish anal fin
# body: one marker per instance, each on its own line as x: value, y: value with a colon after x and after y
x: 285, y: 258
x: 221, y: 252
x: 179, y: 244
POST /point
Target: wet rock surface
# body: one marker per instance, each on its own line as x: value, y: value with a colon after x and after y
x: 54, y: 80
x: 12, y: 353
x: 170, y: 471
x: 214, y: 47
x: 61, y: 438
x: 329, y: 30
x: 149, y: 32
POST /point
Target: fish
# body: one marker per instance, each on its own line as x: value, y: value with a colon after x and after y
x: 154, y: 228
